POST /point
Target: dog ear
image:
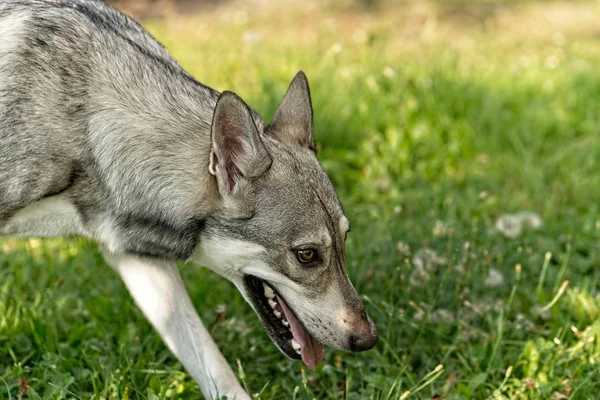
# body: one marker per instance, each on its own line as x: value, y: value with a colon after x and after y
x: 293, y: 120
x: 238, y: 154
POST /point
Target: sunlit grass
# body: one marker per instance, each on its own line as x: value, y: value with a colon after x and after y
x: 432, y: 123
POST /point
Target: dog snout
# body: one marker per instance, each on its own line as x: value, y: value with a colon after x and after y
x: 364, y: 335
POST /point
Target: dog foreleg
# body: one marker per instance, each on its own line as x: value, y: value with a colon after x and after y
x: 158, y: 290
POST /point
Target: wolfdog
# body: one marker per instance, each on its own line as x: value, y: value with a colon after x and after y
x: 103, y: 135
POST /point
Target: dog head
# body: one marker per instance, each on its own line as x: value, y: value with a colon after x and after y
x: 279, y: 235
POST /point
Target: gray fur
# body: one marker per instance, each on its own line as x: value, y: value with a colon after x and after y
x: 94, y: 109
x: 104, y: 135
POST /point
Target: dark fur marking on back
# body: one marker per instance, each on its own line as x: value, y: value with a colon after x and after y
x: 99, y: 21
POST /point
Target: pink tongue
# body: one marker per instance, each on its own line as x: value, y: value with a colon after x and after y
x: 312, y: 351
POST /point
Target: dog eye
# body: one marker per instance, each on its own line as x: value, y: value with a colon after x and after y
x: 306, y: 256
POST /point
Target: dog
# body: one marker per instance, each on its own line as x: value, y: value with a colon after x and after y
x: 103, y: 135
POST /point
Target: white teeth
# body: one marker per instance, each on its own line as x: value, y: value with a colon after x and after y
x: 296, y: 346
x: 269, y: 294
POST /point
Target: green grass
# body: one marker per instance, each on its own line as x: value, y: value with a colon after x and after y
x: 431, y: 126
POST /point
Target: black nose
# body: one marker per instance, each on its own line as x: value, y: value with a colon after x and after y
x: 365, y: 340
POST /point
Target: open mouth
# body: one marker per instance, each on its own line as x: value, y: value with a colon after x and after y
x: 282, y: 325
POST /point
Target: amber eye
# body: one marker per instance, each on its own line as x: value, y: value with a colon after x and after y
x: 306, y: 255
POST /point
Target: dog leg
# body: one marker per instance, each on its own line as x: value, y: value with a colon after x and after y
x: 158, y: 290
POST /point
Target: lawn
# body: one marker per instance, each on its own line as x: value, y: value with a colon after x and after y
x: 464, y: 141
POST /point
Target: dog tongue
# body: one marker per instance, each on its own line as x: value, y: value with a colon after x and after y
x: 311, y: 350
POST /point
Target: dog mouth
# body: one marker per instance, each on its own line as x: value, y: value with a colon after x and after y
x: 281, y: 324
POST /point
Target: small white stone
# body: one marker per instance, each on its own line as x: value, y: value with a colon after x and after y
x: 285, y: 323
x: 296, y: 345
x: 494, y: 278
x: 509, y: 225
x: 277, y: 313
x: 269, y: 294
x: 272, y: 303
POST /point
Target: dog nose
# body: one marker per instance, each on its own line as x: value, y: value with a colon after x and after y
x: 364, y: 339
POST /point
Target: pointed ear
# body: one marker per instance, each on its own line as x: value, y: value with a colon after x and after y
x: 238, y: 154
x: 293, y: 120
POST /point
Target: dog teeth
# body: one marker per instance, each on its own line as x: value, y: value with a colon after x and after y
x: 269, y: 294
x: 296, y: 346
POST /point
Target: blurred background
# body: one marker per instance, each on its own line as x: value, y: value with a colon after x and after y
x: 464, y: 140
